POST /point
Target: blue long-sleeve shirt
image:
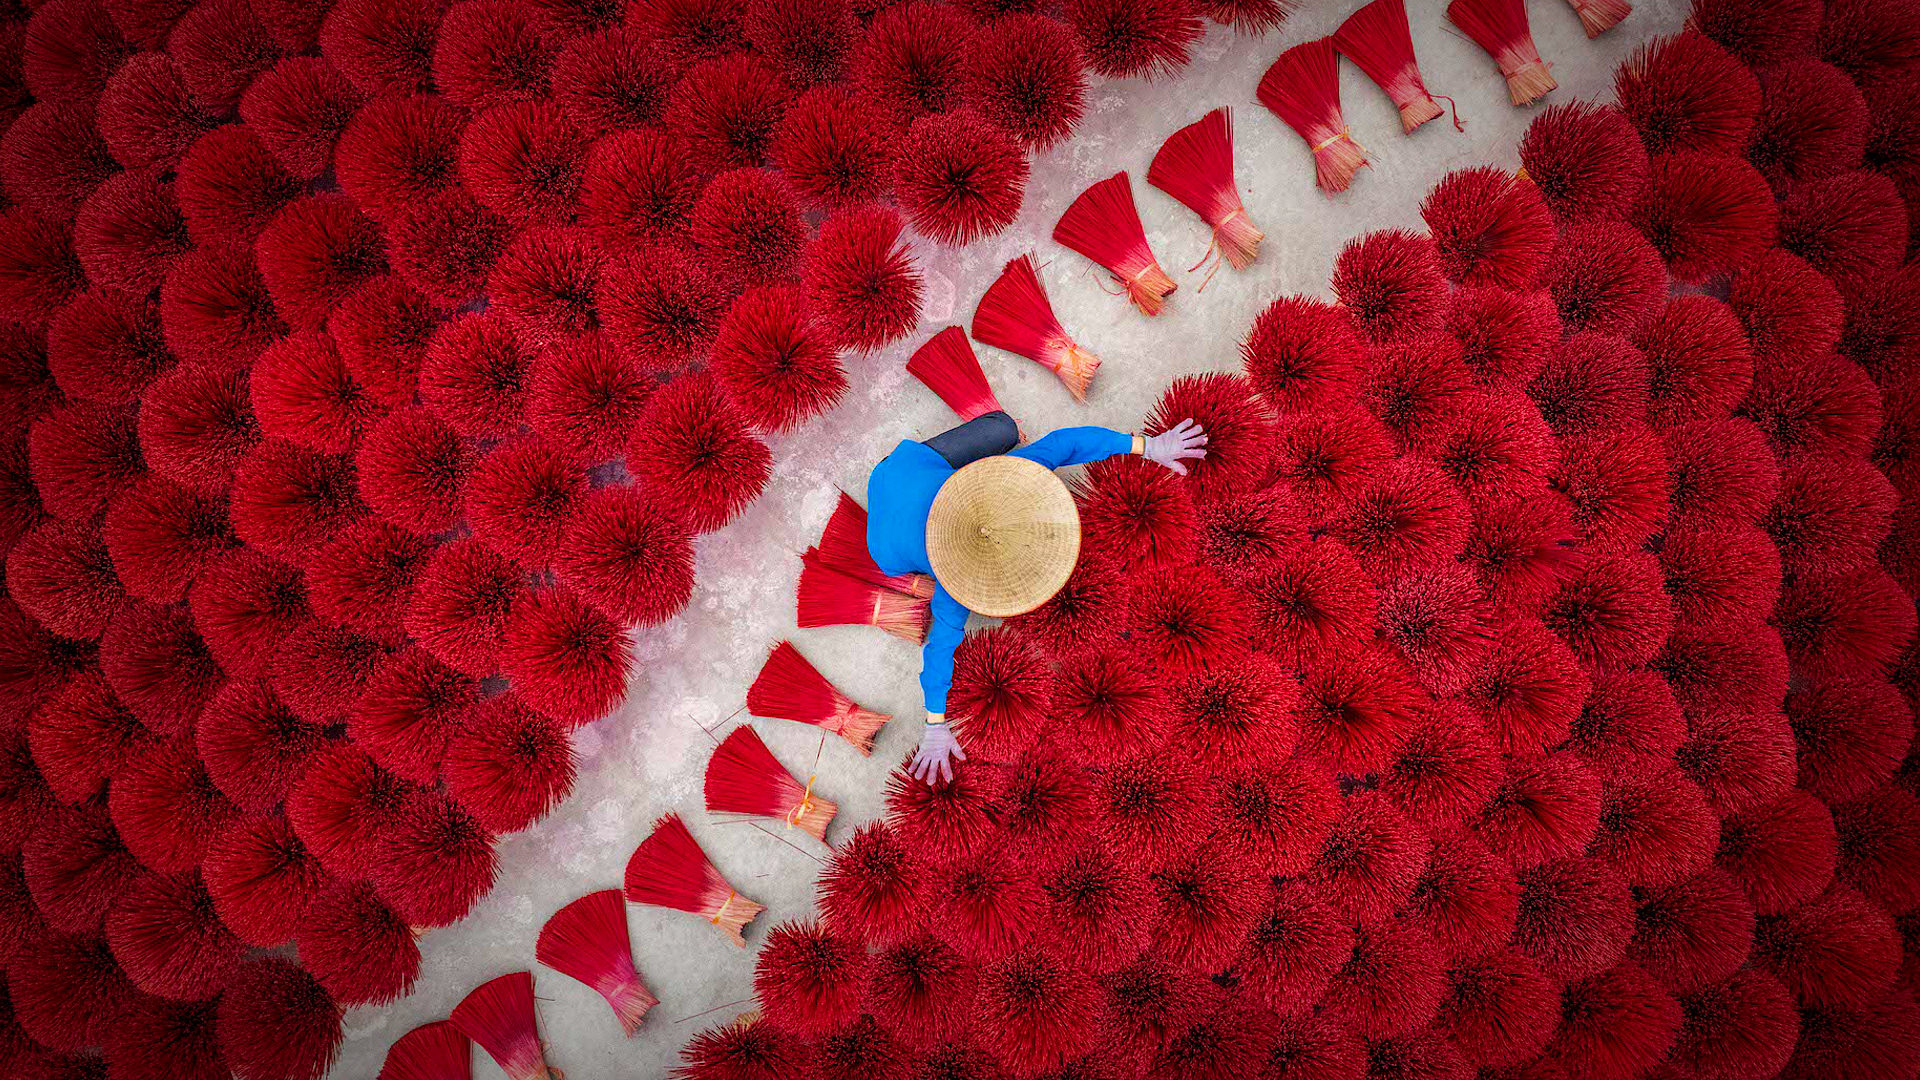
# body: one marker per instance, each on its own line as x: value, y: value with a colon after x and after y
x: 900, y: 493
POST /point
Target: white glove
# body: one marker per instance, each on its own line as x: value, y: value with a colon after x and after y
x: 939, y: 749
x: 1183, y: 442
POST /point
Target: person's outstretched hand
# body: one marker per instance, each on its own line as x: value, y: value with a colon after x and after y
x: 939, y: 749
x: 1182, y: 442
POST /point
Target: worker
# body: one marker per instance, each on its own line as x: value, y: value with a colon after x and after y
x: 996, y: 529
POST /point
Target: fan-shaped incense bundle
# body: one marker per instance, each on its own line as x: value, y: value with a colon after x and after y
x: 790, y: 688
x: 1303, y: 89
x: 947, y: 366
x: 1195, y: 166
x: 829, y: 597
x: 1014, y: 314
x: 435, y: 1051
x: 743, y: 777
x: 1599, y: 16
x: 1500, y: 27
x: 843, y: 546
x: 1377, y: 40
x: 1104, y: 225
x: 669, y: 870
x: 587, y: 940
x: 499, y: 1016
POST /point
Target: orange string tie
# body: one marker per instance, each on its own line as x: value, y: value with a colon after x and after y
x: 805, y: 804
x: 1213, y: 248
x: 1208, y: 280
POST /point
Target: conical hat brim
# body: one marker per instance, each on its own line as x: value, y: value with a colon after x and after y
x: 1003, y: 536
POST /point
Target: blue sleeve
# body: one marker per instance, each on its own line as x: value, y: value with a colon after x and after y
x: 936, y: 659
x: 1075, y: 446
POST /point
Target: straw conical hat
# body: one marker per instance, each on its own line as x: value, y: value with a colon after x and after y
x: 1003, y: 535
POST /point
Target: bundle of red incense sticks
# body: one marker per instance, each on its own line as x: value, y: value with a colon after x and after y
x: 833, y: 597
x: 499, y: 1016
x: 1014, y: 314
x: 1104, y: 225
x: 1599, y: 16
x: 1195, y: 166
x: 1500, y: 27
x: 843, y: 546
x: 1303, y: 89
x: 587, y: 940
x: 1377, y: 40
x: 670, y: 870
x: 947, y: 366
x: 435, y: 1051
x: 790, y: 688
x: 743, y: 777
